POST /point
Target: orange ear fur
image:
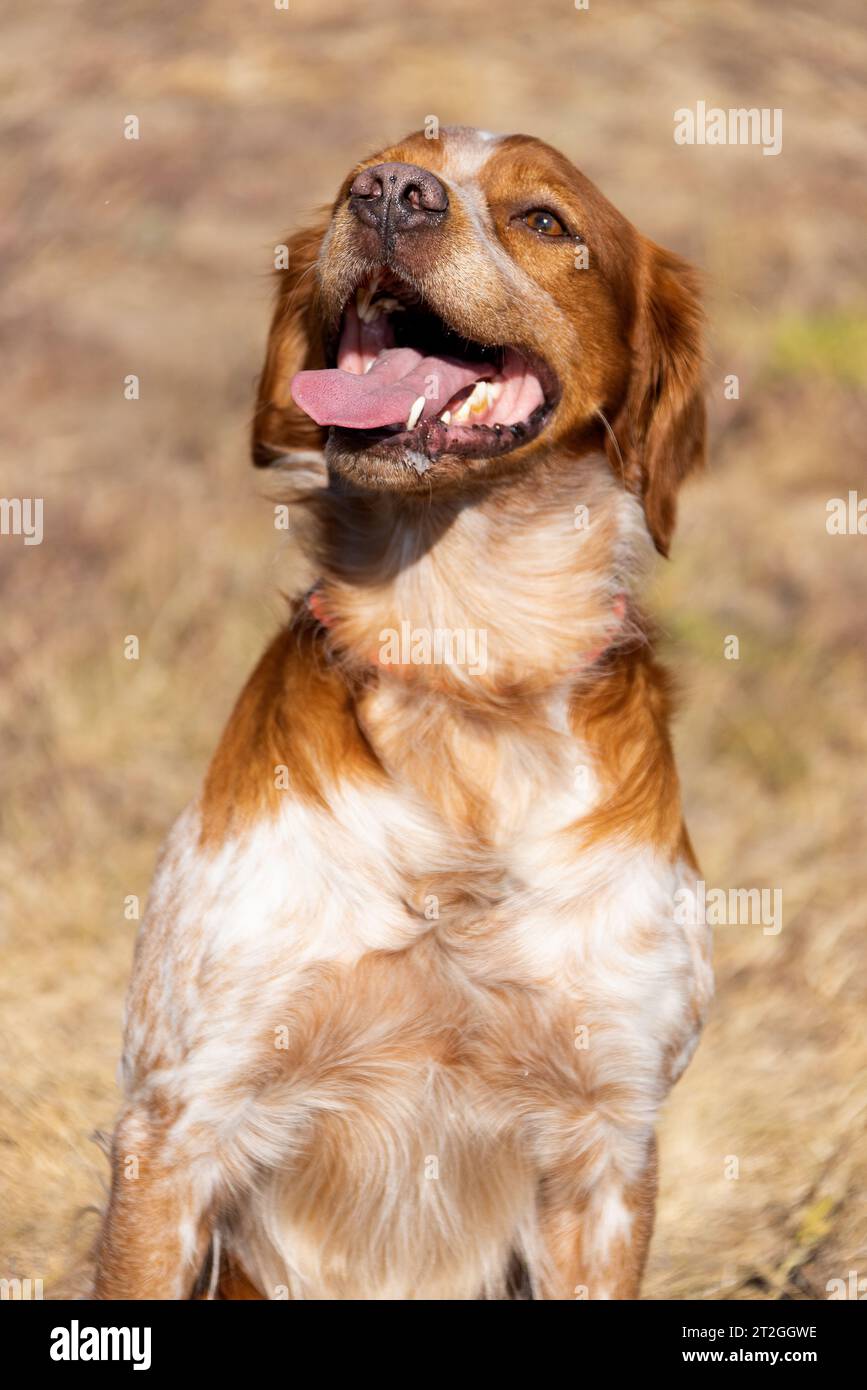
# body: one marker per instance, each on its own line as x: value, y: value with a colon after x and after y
x: 293, y: 345
x: 660, y: 428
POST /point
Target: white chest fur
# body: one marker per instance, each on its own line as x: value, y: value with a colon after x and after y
x: 229, y: 934
x: 363, y: 967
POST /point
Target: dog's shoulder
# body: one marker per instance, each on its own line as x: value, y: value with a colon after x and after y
x: 293, y: 729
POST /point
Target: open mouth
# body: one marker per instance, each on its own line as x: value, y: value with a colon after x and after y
x: 402, y: 377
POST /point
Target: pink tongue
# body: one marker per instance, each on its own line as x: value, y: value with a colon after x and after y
x: 386, y: 393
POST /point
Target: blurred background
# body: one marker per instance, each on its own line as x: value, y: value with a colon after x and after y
x: 153, y: 257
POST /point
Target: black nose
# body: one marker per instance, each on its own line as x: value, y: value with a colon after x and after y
x: 396, y: 198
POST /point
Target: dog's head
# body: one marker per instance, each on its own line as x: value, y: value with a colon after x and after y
x: 470, y: 302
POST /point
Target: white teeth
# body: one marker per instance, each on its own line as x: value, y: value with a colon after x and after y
x: 363, y: 296
x: 446, y: 417
x: 479, y: 401
x: 414, y: 415
x: 368, y: 311
x: 475, y: 404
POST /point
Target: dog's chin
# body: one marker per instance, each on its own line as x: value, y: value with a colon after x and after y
x: 412, y: 465
x: 432, y: 455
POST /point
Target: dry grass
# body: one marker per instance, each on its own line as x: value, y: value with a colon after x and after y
x: 152, y: 258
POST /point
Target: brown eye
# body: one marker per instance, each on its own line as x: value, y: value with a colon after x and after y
x: 544, y: 222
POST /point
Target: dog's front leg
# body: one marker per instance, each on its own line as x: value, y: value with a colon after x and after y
x: 155, y: 1235
x: 595, y: 1243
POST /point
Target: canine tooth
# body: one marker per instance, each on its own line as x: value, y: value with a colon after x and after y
x: 414, y: 415
x: 478, y: 400
x: 446, y: 417
x: 475, y: 403
x: 370, y: 309
x: 368, y: 313
x: 363, y: 296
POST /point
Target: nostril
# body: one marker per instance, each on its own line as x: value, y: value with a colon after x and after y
x: 367, y: 184
x: 425, y: 193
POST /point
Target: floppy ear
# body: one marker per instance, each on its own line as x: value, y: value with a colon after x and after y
x: 661, y: 426
x: 294, y: 343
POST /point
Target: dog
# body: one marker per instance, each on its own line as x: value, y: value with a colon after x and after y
x: 412, y: 986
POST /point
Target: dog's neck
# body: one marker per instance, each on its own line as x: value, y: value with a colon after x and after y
x: 544, y: 569
x: 492, y: 597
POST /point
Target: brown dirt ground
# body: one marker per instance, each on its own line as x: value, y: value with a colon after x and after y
x: 152, y: 257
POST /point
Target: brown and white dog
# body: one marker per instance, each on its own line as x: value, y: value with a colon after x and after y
x: 413, y: 983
